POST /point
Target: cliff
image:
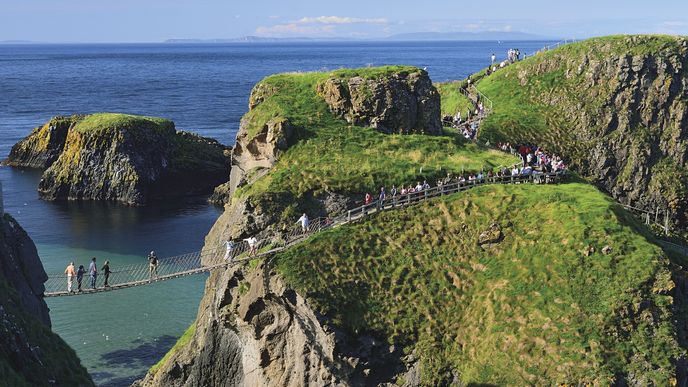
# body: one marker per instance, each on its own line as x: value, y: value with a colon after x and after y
x: 295, y: 153
x: 30, y: 354
x: 122, y: 158
x: 44, y: 145
x: 616, y: 107
x: 572, y: 291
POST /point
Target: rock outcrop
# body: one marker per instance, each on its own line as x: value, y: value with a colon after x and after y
x: 616, y: 107
x: 30, y: 354
x: 44, y: 145
x: 254, y: 330
x: 400, y: 102
x: 121, y: 158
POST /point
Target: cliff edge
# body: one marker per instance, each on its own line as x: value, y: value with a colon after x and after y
x: 30, y: 354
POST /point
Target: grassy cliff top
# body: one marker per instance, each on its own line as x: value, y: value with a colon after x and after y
x: 534, y: 309
x: 109, y: 121
x: 327, y: 153
x: 533, y: 97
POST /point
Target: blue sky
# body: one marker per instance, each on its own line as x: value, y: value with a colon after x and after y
x: 157, y: 20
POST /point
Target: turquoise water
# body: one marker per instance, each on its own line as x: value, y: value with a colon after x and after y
x: 204, y: 89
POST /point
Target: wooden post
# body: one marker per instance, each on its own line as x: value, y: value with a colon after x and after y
x: 365, y: 210
x: 348, y: 216
x: 657, y: 215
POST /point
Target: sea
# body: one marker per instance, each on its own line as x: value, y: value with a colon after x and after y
x: 203, y: 88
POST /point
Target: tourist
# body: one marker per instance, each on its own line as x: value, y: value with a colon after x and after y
x: 426, y: 186
x: 70, y: 276
x: 106, y: 273
x: 368, y: 198
x: 229, y: 245
x: 80, y: 277
x: 494, y: 58
x: 419, y: 187
x: 152, y: 266
x: 381, y: 199
x: 303, y: 220
x: 252, y: 246
x: 393, y: 192
x: 93, y: 272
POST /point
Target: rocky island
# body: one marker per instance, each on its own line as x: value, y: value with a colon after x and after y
x: 573, y: 291
x: 120, y: 158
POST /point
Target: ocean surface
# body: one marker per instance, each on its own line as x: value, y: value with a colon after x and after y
x: 202, y: 88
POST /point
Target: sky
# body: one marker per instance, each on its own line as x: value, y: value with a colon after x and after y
x: 92, y: 21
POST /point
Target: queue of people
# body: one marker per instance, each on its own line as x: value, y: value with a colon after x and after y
x: 77, y: 274
x: 534, y: 156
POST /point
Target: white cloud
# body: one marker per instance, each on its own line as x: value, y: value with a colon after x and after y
x: 320, y: 25
x: 340, y: 20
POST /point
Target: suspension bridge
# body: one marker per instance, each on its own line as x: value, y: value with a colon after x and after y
x: 241, y: 251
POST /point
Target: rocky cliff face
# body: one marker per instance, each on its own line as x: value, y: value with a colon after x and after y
x: 616, y: 107
x: 44, y: 145
x: 30, y: 354
x: 252, y: 328
x: 121, y: 158
x: 403, y: 102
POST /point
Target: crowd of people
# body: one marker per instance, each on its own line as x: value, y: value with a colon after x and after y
x: 534, y: 156
x: 77, y: 274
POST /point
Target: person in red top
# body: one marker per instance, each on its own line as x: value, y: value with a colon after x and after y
x: 368, y: 199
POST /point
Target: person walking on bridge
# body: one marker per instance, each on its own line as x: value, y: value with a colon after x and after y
x: 304, y: 222
x: 71, y: 272
x: 252, y: 244
x: 80, y: 277
x: 106, y: 273
x: 93, y: 272
x: 229, y: 245
x: 152, y: 266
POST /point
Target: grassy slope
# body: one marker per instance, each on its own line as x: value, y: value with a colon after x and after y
x: 518, y: 114
x: 329, y: 154
x: 452, y: 99
x: 534, y: 309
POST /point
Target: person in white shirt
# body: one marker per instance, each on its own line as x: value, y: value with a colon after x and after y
x: 304, y: 222
x: 230, y: 248
x: 252, y: 244
x: 494, y: 58
x: 514, y: 171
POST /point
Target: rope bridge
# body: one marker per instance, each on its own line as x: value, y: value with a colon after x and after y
x: 241, y: 251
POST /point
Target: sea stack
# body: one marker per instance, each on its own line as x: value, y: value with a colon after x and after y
x: 120, y: 158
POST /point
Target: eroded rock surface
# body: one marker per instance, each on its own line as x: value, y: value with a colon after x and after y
x: 30, y: 354
x: 402, y: 102
x: 121, y: 158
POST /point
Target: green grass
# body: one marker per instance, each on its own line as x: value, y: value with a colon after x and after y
x: 375, y: 72
x: 181, y: 342
x: 453, y: 100
x: 533, y: 310
x: 328, y: 154
x: 108, y: 121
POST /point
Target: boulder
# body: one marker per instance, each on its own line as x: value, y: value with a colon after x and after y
x: 491, y: 236
x: 398, y: 102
